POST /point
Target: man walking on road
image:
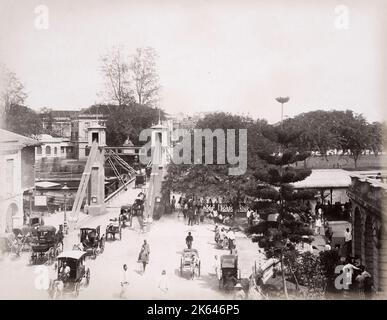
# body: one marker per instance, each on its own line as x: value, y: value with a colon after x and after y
x: 348, y: 241
x: 189, y: 240
x: 163, y: 283
x: 143, y: 257
x: 124, y: 281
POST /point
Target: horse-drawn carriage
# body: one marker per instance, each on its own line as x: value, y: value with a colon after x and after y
x: 46, y: 244
x: 229, y: 273
x: 91, y: 241
x: 72, y: 274
x: 140, y: 180
x: 190, y: 262
x: 113, y: 228
x: 126, y: 216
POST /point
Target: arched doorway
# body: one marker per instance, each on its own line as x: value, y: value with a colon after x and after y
x: 11, y: 213
x: 357, y: 232
x: 369, y: 245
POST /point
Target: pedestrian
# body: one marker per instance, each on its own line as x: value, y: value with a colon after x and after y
x: 189, y: 240
x: 348, y: 270
x: 231, y: 239
x: 318, y: 225
x: 143, y: 257
x: 124, y: 281
x: 217, y: 268
x: 361, y: 280
x: 185, y: 209
x: 239, y: 292
x: 348, y: 241
x: 163, y: 282
x: 173, y: 203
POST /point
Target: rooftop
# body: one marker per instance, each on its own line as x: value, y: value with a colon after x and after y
x: 16, y: 139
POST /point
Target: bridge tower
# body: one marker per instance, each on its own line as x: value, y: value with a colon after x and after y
x: 96, y: 184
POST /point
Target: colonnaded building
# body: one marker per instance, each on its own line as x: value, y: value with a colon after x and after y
x: 368, y: 196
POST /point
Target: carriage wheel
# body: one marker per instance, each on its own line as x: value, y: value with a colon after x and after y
x: 76, y: 289
x: 87, y: 276
x: 32, y: 258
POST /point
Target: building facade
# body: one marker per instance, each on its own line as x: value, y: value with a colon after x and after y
x: 17, y: 158
x: 79, y: 132
x: 368, y: 195
x: 53, y: 147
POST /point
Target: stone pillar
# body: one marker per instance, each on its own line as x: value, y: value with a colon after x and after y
x: 97, y: 186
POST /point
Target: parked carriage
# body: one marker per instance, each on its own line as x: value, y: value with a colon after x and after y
x: 140, y: 180
x: 190, y: 262
x: 91, y: 241
x: 126, y: 216
x: 72, y: 274
x: 113, y: 228
x: 46, y: 244
x: 230, y: 274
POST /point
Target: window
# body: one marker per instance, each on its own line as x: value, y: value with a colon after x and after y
x: 55, y: 150
x: 62, y: 149
x: 48, y: 150
x: 9, y: 175
x: 39, y: 150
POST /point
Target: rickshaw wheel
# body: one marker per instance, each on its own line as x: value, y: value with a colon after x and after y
x: 87, y: 276
x: 76, y: 289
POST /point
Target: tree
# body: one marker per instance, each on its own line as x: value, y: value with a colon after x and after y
x: 126, y: 121
x: 213, y: 179
x: 307, y: 271
x: 376, y: 131
x: 352, y: 132
x: 12, y: 91
x: 274, y: 183
x: 145, y: 77
x: 24, y: 121
x: 317, y: 134
x: 116, y: 71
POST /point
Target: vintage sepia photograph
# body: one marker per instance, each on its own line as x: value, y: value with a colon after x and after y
x: 193, y: 150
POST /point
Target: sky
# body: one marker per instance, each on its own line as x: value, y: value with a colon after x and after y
x: 234, y: 56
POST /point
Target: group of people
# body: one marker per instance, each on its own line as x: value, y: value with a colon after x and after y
x: 191, y: 208
x: 357, y: 279
x: 225, y: 238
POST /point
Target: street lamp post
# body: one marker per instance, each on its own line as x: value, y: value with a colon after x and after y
x: 282, y: 100
x: 65, y: 189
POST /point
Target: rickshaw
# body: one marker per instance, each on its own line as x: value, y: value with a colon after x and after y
x: 126, y: 215
x: 91, y: 241
x: 113, y: 228
x: 230, y: 274
x: 140, y: 180
x: 9, y: 244
x: 24, y: 236
x: 190, y: 261
x: 71, y: 274
x: 46, y: 244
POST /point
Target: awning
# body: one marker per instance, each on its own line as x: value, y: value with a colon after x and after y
x: 46, y: 184
x: 325, y: 179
